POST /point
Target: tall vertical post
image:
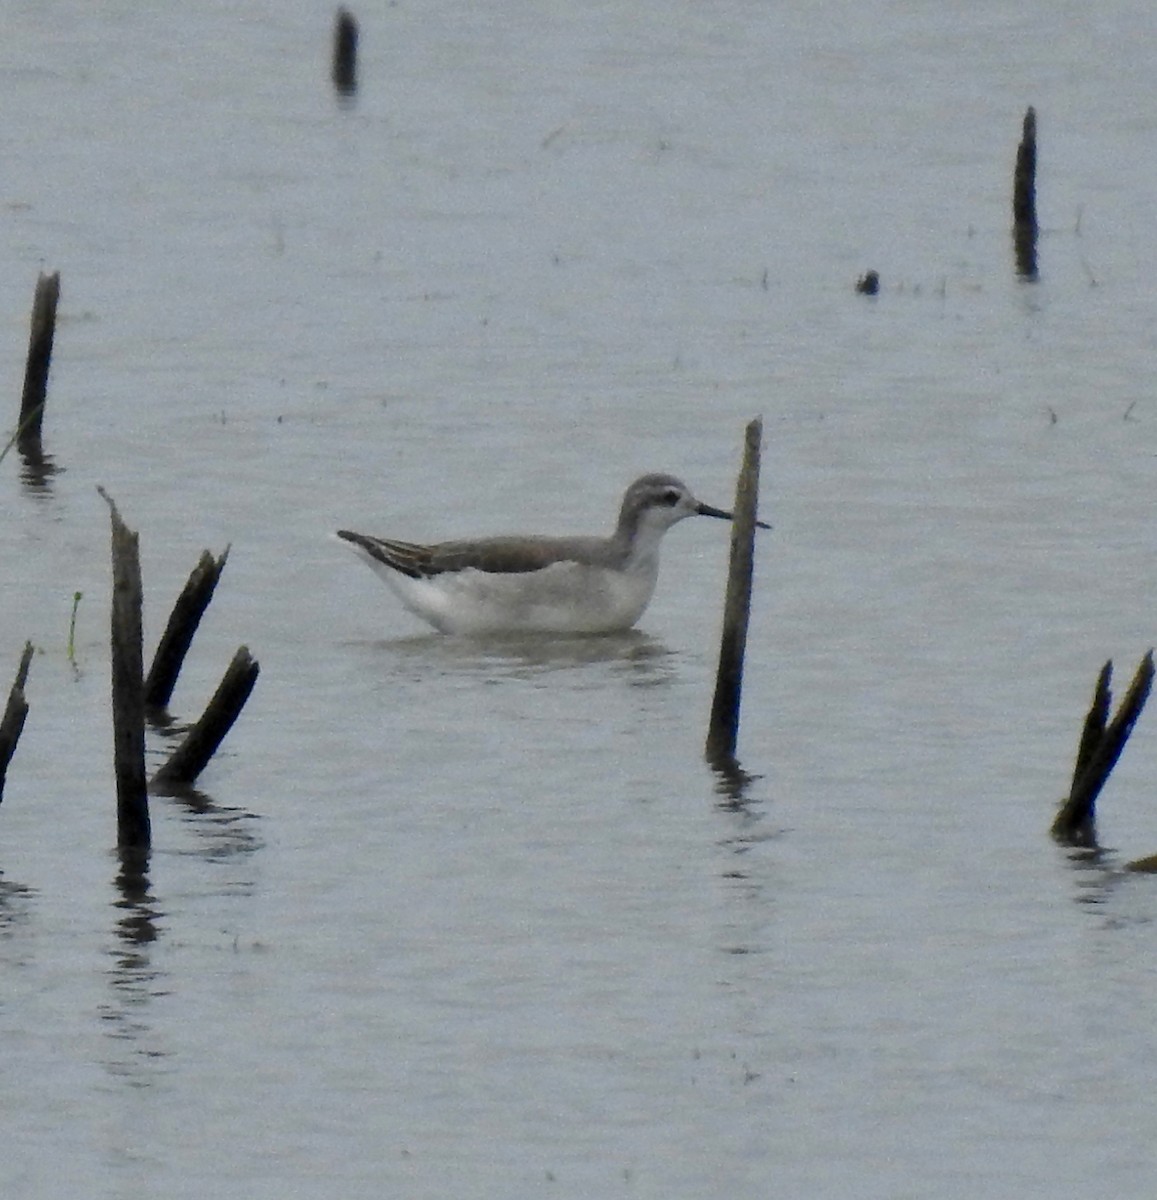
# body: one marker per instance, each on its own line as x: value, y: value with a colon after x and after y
x: 128, y: 687
x: 40, y: 338
x: 723, y: 730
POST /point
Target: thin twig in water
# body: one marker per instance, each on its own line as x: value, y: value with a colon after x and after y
x: 76, y: 597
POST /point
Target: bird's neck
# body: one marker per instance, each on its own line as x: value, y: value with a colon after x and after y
x: 640, y: 547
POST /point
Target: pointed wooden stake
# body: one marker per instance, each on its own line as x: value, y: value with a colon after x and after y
x: 15, y: 711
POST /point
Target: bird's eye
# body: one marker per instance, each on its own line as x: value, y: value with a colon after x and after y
x: 669, y: 498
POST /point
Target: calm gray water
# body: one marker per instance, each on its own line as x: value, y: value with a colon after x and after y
x: 474, y: 920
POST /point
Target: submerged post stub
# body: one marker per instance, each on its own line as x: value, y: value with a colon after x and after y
x: 723, y: 730
x: 345, y: 53
x: 1100, y: 747
x: 40, y: 339
x: 1024, y: 222
x: 868, y: 284
x: 128, y: 686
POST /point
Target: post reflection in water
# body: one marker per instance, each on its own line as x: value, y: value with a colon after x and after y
x: 225, y: 839
x: 643, y: 659
x: 222, y: 833
x: 745, y: 816
x: 1098, y: 874
x: 732, y: 782
x: 37, y: 472
x: 133, y: 979
x: 15, y: 913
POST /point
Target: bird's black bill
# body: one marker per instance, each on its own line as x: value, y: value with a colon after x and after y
x: 705, y: 510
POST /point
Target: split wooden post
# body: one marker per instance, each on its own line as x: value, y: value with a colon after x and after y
x: 723, y: 730
x: 15, y: 711
x: 40, y: 340
x: 128, y: 690
x: 202, y: 741
x: 183, y: 621
x: 1024, y: 222
x: 345, y: 53
x: 1100, y: 747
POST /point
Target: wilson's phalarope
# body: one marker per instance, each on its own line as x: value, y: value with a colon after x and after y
x: 539, y: 584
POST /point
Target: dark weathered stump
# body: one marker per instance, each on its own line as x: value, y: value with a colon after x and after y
x: 15, y: 711
x: 39, y: 359
x: 723, y: 730
x: 868, y: 284
x: 1100, y: 747
x: 183, y: 622
x: 345, y: 53
x: 201, y: 742
x: 128, y: 691
x: 1024, y: 222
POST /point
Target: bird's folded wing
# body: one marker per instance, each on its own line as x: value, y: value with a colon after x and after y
x: 404, y: 557
x: 498, y: 556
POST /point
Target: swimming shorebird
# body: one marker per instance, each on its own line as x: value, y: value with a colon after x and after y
x: 534, y: 584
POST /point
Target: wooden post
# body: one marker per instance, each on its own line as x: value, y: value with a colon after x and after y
x: 39, y: 358
x: 1024, y: 222
x: 183, y: 621
x: 1100, y: 748
x: 345, y: 53
x: 723, y: 730
x: 128, y: 691
x: 202, y: 741
x: 15, y: 711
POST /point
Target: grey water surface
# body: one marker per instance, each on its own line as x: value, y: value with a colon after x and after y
x: 455, y: 919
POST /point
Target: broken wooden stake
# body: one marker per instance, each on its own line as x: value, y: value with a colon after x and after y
x: 202, y: 741
x: 723, y: 730
x: 1100, y: 747
x: 178, y: 636
x: 39, y: 359
x: 1024, y: 222
x: 128, y: 691
x: 15, y: 711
